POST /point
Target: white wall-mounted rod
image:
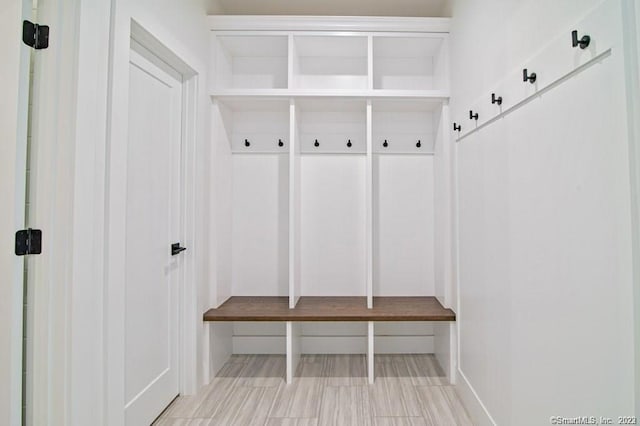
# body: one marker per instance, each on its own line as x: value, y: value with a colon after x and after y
x: 538, y: 93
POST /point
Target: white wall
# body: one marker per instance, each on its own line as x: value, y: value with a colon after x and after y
x: 545, y: 307
x: 260, y: 248
x: 403, y: 230
x: 332, y: 225
x: 631, y: 11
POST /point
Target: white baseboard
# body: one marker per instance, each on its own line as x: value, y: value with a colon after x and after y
x: 479, y: 414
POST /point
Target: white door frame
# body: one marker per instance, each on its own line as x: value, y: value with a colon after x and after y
x: 65, y: 190
x: 14, y: 80
x: 125, y: 29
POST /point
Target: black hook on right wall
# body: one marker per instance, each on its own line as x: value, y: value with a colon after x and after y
x: 531, y: 78
x: 583, y: 42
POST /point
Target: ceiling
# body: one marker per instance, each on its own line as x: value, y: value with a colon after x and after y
x: 330, y: 7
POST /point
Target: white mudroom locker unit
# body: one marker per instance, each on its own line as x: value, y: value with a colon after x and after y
x: 332, y: 163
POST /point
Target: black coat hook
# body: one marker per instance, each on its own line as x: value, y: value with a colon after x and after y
x: 583, y: 42
x: 280, y: 143
x: 495, y: 100
x: 531, y: 78
x: 473, y: 116
x: 349, y: 143
x: 456, y: 127
x: 419, y: 144
x: 316, y: 143
x: 246, y: 143
x: 385, y: 143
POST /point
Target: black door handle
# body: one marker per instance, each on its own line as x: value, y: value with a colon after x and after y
x: 176, y: 249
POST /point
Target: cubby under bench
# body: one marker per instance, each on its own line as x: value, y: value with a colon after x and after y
x: 337, y: 310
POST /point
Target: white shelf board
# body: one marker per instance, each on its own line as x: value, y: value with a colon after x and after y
x: 403, y: 153
x: 332, y: 153
x: 437, y: 95
x: 260, y: 152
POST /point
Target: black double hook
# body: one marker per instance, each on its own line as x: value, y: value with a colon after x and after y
x: 386, y: 143
x: 473, y: 116
x: 582, y: 42
x: 456, y: 127
x: 531, y: 78
x: 496, y: 100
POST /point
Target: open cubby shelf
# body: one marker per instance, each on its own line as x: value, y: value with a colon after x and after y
x: 344, y: 62
x: 409, y: 62
x: 250, y: 62
x: 308, y: 308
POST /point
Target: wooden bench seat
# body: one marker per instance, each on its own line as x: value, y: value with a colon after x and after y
x: 239, y: 308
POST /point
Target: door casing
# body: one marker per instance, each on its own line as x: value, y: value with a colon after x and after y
x: 14, y: 84
x: 125, y: 30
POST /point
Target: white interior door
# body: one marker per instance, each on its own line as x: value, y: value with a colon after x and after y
x: 152, y: 224
x: 14, y: 80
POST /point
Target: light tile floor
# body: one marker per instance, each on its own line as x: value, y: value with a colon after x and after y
x: 327, y: 390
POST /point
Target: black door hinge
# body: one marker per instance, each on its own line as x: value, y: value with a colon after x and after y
x: 34, y: 35
x: 28, y: 241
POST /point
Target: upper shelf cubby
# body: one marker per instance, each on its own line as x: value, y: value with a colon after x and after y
x: 410, y: 62
x: 251, y: 62
x: 330, y: 62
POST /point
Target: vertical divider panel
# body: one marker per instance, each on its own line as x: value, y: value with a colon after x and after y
x: 444, y: 132
x: 294, y: 342
x: 370, y: 62
x: 294, y: 208
x: 369, y: 203
x: 290, y: 59
x: 370, y: 352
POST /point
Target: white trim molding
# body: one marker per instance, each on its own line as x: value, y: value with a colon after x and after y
x: 327, y: 23
x: 472, y: 402
x: 13, y: 149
